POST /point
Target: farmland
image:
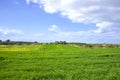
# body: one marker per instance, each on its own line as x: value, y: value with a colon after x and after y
x: 58, y: 62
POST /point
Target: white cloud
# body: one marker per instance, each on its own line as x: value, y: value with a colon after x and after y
x: 103, y: 26
x: 53, y: 28
x: 103, y: 13
x: 87, y: 36
x: 6, y: 31
x: 12, y: 34
x: 34, y: 1
x: 60, y: 33
x: 27, y: 1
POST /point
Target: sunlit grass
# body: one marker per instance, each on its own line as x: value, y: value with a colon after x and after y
x: 58, y: 62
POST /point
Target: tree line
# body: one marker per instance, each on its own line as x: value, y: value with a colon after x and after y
x: 9, y: 42
x: 85, y: 45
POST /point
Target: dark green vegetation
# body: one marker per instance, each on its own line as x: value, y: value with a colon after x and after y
x: 58, y: 62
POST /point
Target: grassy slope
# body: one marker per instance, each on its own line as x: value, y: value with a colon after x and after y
x: 58, y: 62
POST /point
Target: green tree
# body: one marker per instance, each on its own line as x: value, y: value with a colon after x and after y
x: 0, y: 41
x: 8, y: 41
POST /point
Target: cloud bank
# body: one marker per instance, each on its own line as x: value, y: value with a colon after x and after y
x: 13, y: 34
x: 89, y: 36
x: 6, y: 31
x: 103, y: 13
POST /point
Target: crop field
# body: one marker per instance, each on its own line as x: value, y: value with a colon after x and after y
x: 58, y: 62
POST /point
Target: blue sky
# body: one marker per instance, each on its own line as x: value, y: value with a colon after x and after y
x: 88, y: 21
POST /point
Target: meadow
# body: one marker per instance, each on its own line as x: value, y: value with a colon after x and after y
x: 58, y: 62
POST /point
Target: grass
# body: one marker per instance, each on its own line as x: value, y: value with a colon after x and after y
x: 58, y: 62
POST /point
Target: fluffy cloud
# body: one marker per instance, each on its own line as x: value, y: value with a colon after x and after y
x: 85, y: 36
x: 12, y: 34
x: 103, y: 13
x: 53, y: 28
x: 6, y: 31
x: 68, y: 34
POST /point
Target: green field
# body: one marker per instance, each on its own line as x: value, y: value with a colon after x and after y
x: 58, y: 62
